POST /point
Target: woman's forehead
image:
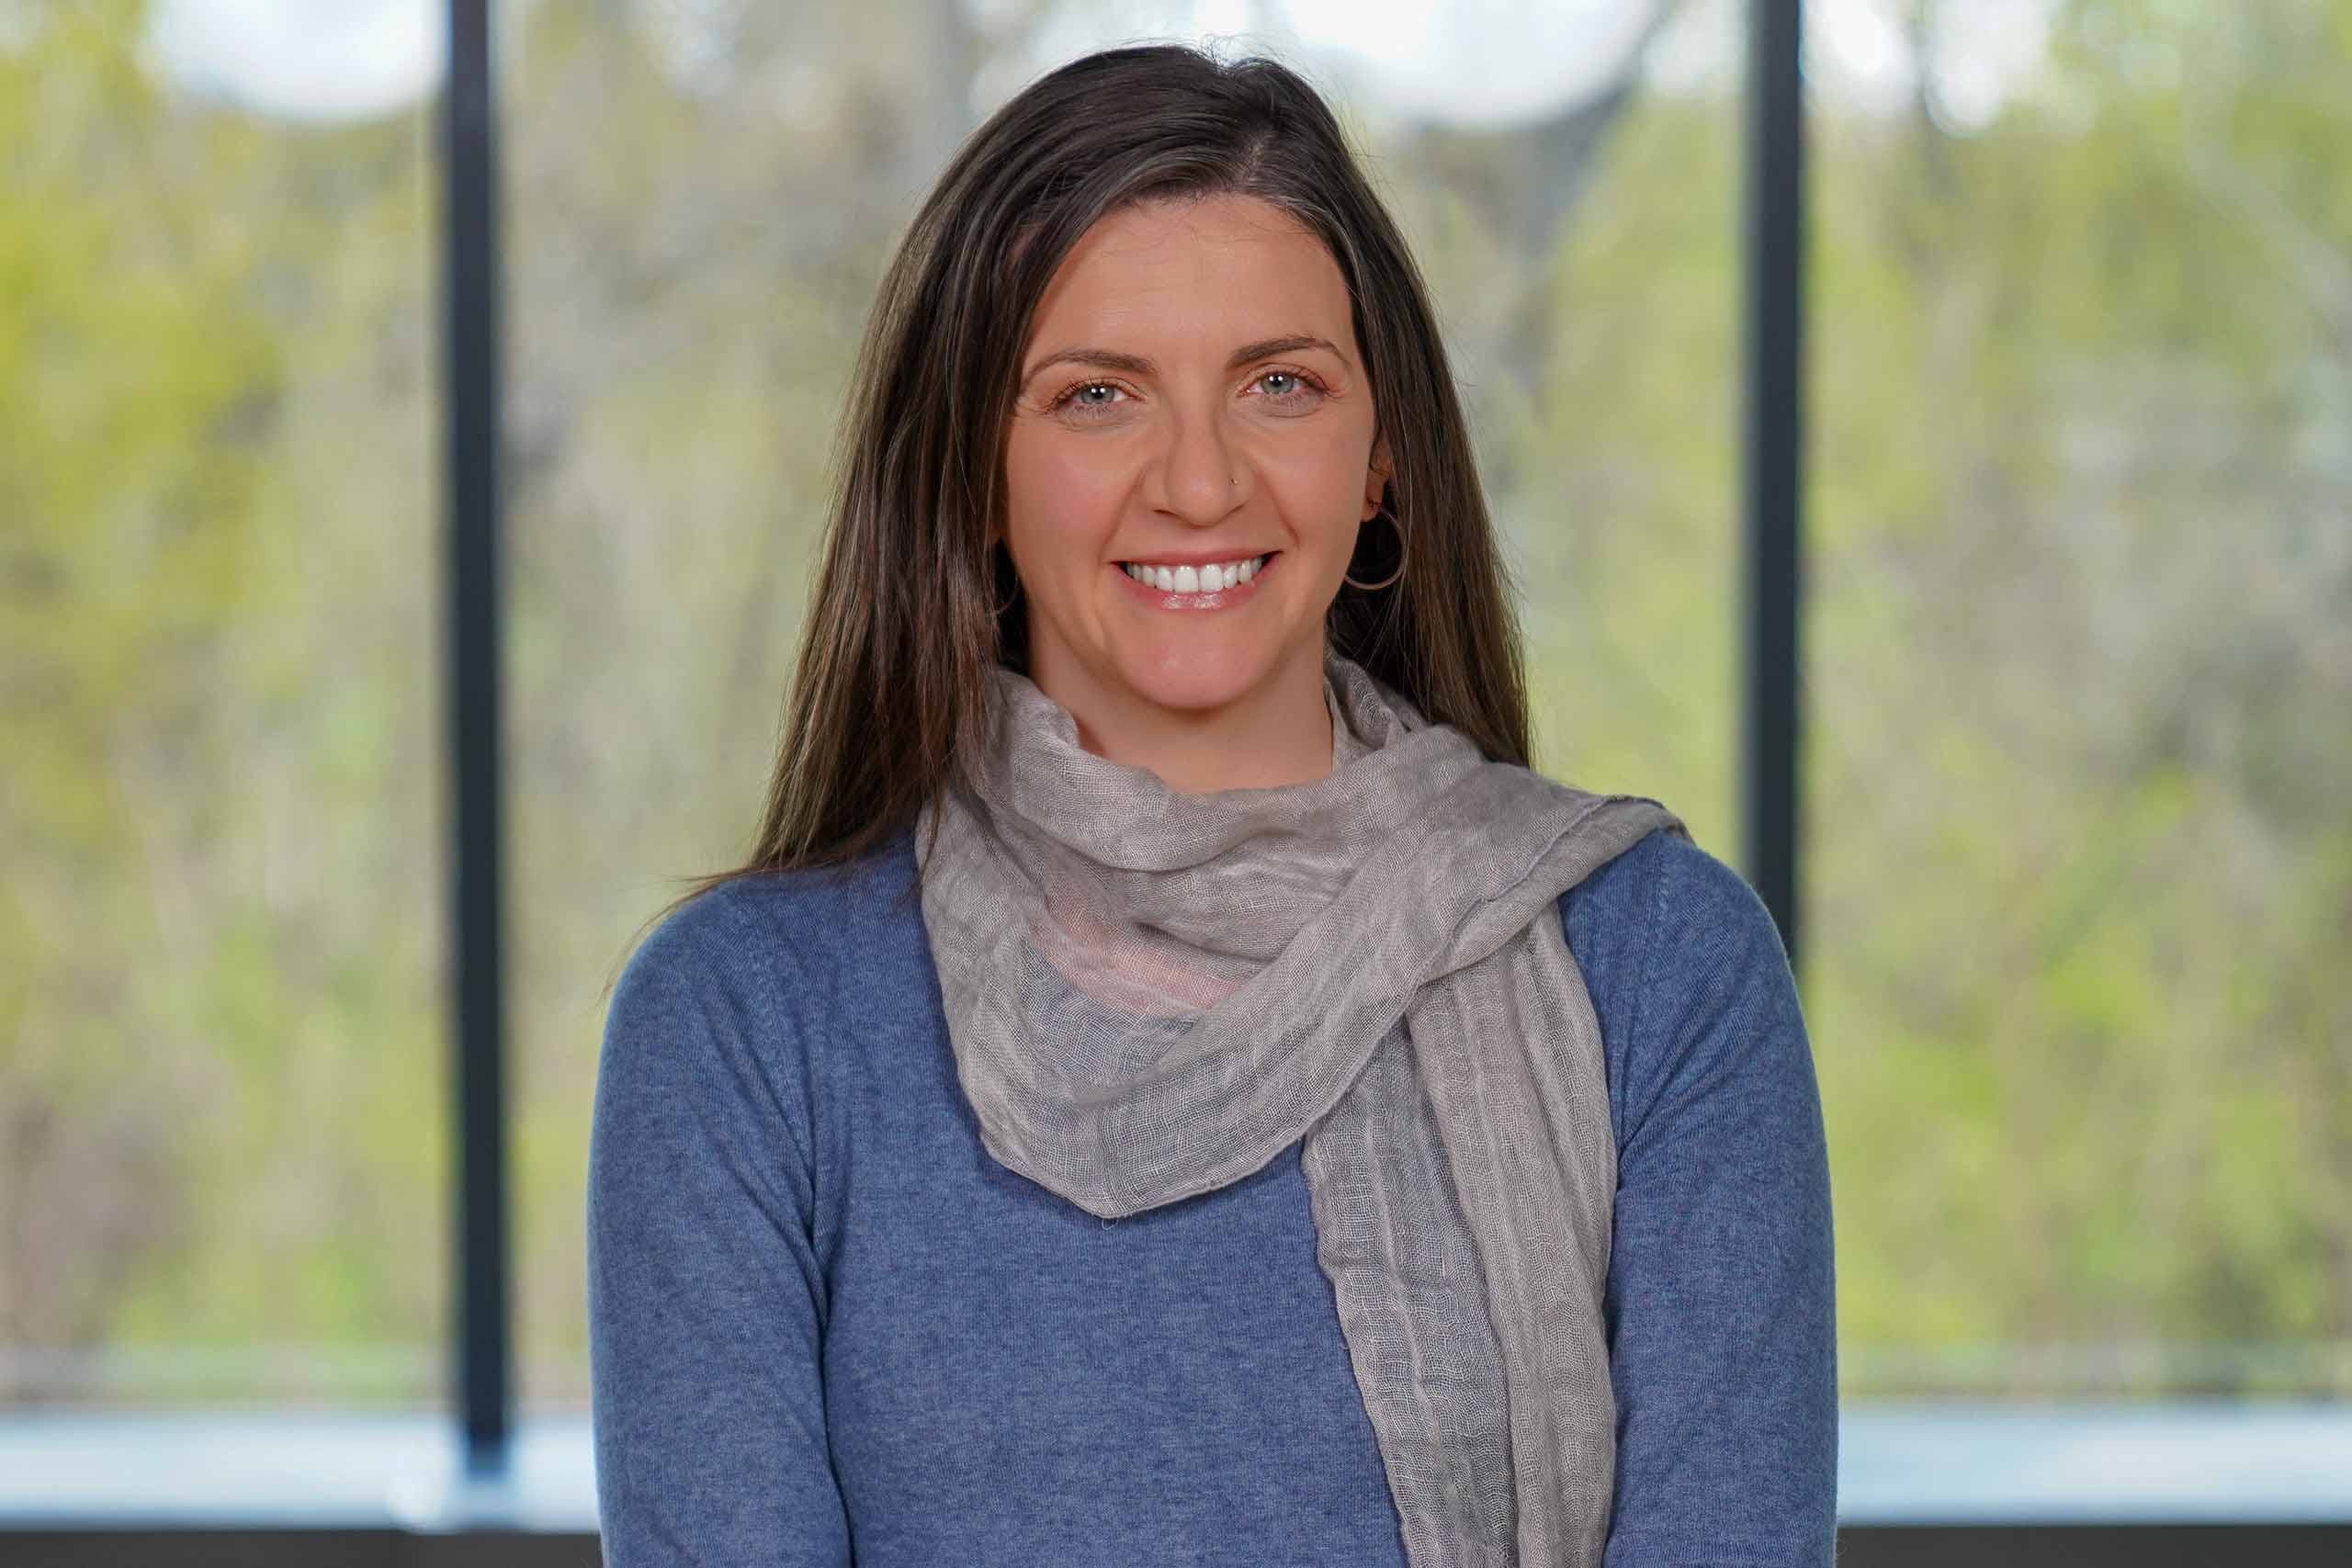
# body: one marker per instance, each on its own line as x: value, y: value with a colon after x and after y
x: 1229, y: 267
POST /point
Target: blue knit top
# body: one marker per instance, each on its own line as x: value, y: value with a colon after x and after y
x: 828, y: 1328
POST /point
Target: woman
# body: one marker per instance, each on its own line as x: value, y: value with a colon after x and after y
x: 1171, y: 1084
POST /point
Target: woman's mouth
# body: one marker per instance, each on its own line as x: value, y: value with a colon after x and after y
x: 1211, y: 587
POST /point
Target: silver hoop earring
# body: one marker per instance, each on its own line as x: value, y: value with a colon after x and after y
x: 1404, y: 553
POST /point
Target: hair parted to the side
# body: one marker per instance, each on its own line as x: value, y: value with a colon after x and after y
x: 887, y: 703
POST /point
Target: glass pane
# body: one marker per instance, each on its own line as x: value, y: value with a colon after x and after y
x: 2081, y: 664
x: 222, y: 1020
x: 702, y: 200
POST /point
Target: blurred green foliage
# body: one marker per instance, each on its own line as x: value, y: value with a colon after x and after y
x: 2079, y: 649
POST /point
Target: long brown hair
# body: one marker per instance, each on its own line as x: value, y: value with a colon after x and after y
x: 888, y: 700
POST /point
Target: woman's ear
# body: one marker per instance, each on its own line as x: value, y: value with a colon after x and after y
x: 1375, y: 477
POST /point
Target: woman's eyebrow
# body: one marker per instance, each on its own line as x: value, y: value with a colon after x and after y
x: 1136, y: 364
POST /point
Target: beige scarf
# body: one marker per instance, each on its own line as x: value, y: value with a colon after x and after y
x: 1152, y: 994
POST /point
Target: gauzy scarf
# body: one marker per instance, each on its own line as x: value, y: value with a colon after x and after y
x: 1152, y: 994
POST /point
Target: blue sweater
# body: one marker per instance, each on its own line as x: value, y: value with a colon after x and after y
x: 826, y: 1327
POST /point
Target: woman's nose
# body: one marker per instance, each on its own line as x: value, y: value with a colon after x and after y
x: 1205, y: 476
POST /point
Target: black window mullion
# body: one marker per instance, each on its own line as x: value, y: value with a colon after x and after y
x: 471, y: 586
x: 1773, y: 320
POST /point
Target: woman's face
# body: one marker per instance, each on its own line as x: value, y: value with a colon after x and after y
x: 1193, y: 392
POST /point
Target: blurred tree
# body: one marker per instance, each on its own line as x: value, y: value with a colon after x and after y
x: 2079, y: 637
x: 2081, y: 474
x: 217, y: 1106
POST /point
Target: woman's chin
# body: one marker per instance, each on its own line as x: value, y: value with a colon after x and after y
x: 1196, y: 681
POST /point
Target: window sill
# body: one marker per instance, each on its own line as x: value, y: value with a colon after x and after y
x: 1909, y: 1465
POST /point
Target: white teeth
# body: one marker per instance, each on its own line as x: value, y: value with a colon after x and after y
x: 1213, y: 578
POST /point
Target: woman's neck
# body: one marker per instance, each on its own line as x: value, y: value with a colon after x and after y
x: 1275, y: 735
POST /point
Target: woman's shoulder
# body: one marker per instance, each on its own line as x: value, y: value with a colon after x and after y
x: 762, y: 958
x: 802, y: 917
x: 1665, y: 898
x: 721, y: 1026
x: 1688, y: 976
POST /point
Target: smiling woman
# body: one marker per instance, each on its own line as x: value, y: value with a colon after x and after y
x: 1172, y: 1084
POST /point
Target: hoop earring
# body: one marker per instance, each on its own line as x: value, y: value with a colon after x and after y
x: 1404, y: 553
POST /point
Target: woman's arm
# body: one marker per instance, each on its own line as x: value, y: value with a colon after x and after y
x: 706, y: 1303
x: 1721, y: 1294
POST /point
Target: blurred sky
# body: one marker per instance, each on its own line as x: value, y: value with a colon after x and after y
x: 1459, y: 62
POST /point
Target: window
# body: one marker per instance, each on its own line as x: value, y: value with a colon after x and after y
x: 2077, y: 655
x: 222, y: 1128
x: 2079, y: 862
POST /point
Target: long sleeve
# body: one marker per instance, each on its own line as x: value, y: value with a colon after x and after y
x: 706, y: 1299
x: 1721, y: 1295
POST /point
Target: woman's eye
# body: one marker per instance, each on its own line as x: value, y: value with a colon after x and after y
x: 1302, y: 389
x: 1075, y: 397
